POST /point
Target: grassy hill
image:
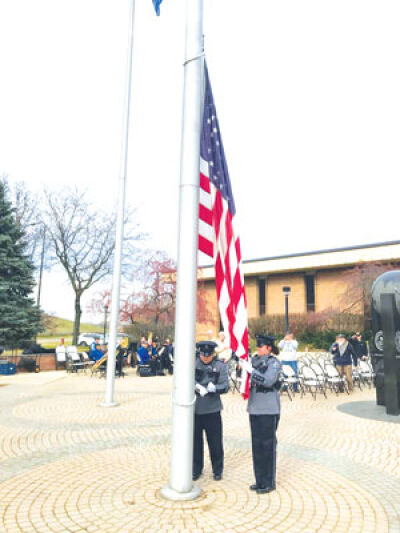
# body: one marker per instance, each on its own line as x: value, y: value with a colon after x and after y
x: 61, y: 327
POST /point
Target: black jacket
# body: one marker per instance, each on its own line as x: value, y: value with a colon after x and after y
x: 348, y: 356
x: 359, y: 348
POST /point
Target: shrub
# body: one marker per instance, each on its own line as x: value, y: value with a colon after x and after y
x: 316, y: 329
x: 141, y: 329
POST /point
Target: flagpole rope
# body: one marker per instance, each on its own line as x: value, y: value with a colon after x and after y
x: 193, y: 59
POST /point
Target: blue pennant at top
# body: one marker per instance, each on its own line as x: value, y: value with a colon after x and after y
x: 156, y: 4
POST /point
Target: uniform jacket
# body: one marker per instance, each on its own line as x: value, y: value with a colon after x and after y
x: 217, y: 373
x: 143, y: 354
x: 347, y: 357
x: 95, y: 354
x: 266, y: 372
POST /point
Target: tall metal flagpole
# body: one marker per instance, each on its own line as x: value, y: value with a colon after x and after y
x: 180, y: 485
x: 119, y: 233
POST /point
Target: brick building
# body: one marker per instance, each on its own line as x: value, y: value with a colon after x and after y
x: 317, y: 280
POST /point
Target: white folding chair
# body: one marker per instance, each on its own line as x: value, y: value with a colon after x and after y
x: 335, y: 381
x: 366, y: 372
x: 74, y: 361
x: 319, y: 372
x: 311, y: 382
x: 87, y: 362
x: 290, y: 378
x: 60, y: 356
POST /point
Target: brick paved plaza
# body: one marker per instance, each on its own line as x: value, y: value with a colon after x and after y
x: 69, y: 465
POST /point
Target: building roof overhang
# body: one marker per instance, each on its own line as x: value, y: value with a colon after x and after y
x: 320, y: 259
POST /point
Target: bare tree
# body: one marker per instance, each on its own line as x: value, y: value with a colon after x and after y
x: 27, y: 215
x: 82, y: 238
x: 359, y: 280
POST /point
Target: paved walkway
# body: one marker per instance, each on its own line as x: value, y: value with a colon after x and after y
x: 69, y: 465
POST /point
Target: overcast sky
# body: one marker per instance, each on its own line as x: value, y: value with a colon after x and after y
x: 307, y: 93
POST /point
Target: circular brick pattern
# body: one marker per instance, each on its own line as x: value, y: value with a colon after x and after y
x: 69, y: 465
x: 120, y: 489
x: 86, y: 409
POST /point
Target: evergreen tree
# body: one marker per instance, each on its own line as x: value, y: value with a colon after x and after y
x: 19, y: 316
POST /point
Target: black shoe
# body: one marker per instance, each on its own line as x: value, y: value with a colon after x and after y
x: 253, y: 487
x: 217, y: 477
x: 264, y: 490
x: 195, y: 477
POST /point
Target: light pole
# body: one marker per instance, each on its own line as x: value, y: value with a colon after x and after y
x: 286, y: 292
x: 119, y: 230
x: 106, y: 305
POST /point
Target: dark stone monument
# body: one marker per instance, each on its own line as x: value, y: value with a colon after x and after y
x: 385, y: 343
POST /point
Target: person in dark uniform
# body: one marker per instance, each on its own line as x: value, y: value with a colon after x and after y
x: 166, y: 354
x: 264, y: 410
x: 359, y: 347
x: 211, y: 380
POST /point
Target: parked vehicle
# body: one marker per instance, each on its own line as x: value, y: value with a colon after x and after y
x: 86, y: 339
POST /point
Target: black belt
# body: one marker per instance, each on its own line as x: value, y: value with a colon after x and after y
x: 260, y: 388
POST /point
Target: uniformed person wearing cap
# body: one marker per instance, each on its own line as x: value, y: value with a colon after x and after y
x: 264, y: 410
x: 211, y: 380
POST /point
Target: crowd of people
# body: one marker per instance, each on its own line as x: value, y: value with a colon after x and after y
x: 148, y: 354
x: 153, y: 355
x: 347, y: 353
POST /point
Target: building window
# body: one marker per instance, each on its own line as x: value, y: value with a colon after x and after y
x: 310, y: 292
x: 261, y: 297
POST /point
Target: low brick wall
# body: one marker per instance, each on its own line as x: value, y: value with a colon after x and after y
x: 46, y: 361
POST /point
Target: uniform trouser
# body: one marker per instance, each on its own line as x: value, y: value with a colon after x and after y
x: 263, y: 441
x: 212, y: 425
x: 346, y: 370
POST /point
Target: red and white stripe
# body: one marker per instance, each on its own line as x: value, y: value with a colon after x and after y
x: 219, y: 240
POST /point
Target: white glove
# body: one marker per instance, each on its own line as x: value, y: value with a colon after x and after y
x: 211, y: 387
x: 246, y: 365
x: 201, y: 390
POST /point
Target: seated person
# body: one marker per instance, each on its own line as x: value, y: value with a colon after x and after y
x: 143, y: 353
x: 132, y: 352
x: 155, y: 359
x: 167, y: 356
x: 119, y: 361
x: 95, y: 352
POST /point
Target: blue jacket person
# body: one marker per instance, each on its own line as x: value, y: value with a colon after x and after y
x: 211, y: 380
x: 264, y: 410
x: 95, y: 352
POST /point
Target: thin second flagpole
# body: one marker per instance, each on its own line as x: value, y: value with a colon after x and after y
x: 119, y: 232
x: 180, y: 486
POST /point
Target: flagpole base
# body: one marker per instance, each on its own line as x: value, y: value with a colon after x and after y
x: 171, y: 494
x: 110, y: 404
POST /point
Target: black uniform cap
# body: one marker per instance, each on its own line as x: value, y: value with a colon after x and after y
x: 206, y: 347
x: 265, y: 340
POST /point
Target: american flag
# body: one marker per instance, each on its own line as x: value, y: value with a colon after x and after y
x: 217, y: 234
